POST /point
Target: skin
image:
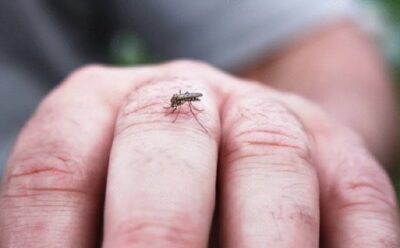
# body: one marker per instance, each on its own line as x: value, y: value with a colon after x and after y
x: 101, y: 162
x: 285, y: 168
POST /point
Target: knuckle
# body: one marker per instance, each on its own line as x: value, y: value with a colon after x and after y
x: 139, y: 104
x: 40, y: 191
x: 265, y: 127
x: 363, y: 195
x: 158, y: 233
x: 145, y: 99
x: 365, y: 187
x: 44, y: 172
x: 149, y: 104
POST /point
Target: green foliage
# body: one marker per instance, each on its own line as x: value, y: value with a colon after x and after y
x: 393, y: 6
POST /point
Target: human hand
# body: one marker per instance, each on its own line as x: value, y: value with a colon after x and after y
x: 288, y: 175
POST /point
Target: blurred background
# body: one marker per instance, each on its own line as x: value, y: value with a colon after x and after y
x: 380, y: 18
x: 384, y: 16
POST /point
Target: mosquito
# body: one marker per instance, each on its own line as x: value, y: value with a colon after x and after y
x: 177, y: 100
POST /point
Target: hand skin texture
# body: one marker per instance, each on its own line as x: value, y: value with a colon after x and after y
x: 101, y: 162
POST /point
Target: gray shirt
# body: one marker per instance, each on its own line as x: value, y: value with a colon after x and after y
x: 42, y: 41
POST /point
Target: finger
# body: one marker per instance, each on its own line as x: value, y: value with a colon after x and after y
x: 269, y: 187
x: 161, y: 181
x: 53, y: 188
x: 359, y: 207
x: 358, y: 202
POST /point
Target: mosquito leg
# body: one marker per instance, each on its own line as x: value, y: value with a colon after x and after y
x: 179, y: 111
x: 170, y: 112
x: 200, y: 110
x: 194, y: 115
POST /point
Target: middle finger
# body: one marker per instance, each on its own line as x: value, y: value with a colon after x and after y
x: 161, y: 182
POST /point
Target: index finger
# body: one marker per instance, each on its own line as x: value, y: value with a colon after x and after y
x: 53, y: 188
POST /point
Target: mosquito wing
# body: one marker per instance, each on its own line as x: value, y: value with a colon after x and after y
x: 192, y: 95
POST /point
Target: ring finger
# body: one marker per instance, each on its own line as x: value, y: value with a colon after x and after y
x: 269, y: 187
